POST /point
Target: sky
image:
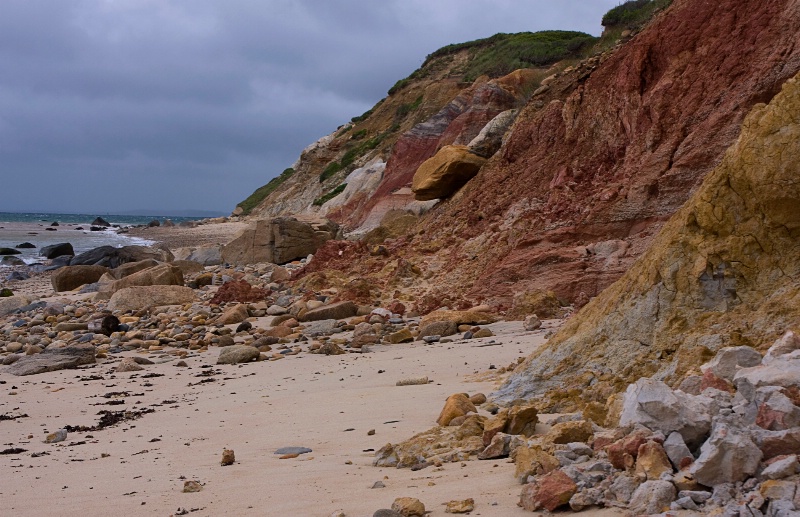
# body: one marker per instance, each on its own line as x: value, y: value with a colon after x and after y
x: 112, y: 106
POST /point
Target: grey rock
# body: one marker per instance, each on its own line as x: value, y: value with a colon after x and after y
x: 623, y: 488
x: 684, y: 503
x: 788, y: 343
x: 782, y: 468
x: 730, y: 359
x: 438, y: 328
x: 676, y: 450
x: 728, y: 456
x: 54, y: 358
x: 384, y: 512
x: 56, y: 250
x: 236, y: 354
x: 336, y: 311
x: 652, y: 497
x: 278, y: 240
x: 10, y: 304
x: 293, y: 450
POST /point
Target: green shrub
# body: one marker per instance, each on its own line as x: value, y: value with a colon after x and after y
x: 405, y: 109
x: 329, y: 171
x: 262, y: 192
x: 633, y: 13
x: 330, y: 195
x: 358, y: 135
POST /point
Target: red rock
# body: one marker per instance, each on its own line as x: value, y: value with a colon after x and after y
x: 550, y: 492
x: 238, y: 291
x: 710, y: 380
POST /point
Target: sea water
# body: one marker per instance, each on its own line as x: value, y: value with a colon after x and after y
x: 38, y: 229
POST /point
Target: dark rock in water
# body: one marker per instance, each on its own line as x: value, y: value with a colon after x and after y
x: 5, y: 292
x: 9, y: 251
x: 54, y: 358
x: 25, y: 245
x: 56, y: 263
x: 100, y: 222
x: 9, y: 260
x: 293, y: 450
x: 51, y: 229
x: 168, y: 223
x: 57, y: 250
x: 17, y: 275
x: 79, y: 227
x: 112, y: 257
x: 96, y: 228
x: 153, y: 223
x: 54, y: 223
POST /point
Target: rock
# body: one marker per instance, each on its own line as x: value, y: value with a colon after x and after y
x: 130, y: 268
x: 238, y: 291
x: 71, y: 277
x: 401, y: 336
x: 482, y: 333
x: 413, y: 381
x: 112, y: 257
x: 535, y: 302
x: 293, y: 450
x: 207, y: 255
x: 457, y: 317
x: 522, y: 420
x: 568, y: 432
x: 56, y: 250
x: 784, y: 373
x: 728, y: 456
x: 139, y: 297
x: 277, y: 310
x: 478, y: 399
x: 652, y: 497
x: 278, y: 240
x: 778, y: 413
x: 730, y: 359
x: 163, y: 274
x: 408, y: 507
x: 679, y: 454
x: 128, y: 364
x: 337, y: 311
x: 54, y: 357
x: 549, y: 491
x: 532, y: 461
x: 99, y: 221
x: 233, y: 314
x: 653, y: 404
x: 236, y: 354
x: 446, y: 172
x: 531, y: 322
x: 652, y: 461
x: 498, y: 448
x: 455, y: 406
x: 191, y: 486
x: 460, y: 506
x: 781, y: 468
x: 491, y: 136
x: 385, y: 512
x: 58, y: 436
x: 13, y: 261
x: 787, y: 344
x: 9, y: 304
x: 228, y: 457
x: 25, y: 245
x: 438, y: 328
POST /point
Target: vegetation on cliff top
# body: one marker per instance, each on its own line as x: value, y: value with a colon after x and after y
x: 262, y: 192
x: 633, y: 13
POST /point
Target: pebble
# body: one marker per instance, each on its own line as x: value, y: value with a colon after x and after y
x: 58, y: 436
x: 228, y: 457
x: 293, y: 450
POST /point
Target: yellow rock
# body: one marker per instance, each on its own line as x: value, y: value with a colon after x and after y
x: 446, y: 172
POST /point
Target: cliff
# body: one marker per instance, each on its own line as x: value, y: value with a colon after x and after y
x: 724, y: 271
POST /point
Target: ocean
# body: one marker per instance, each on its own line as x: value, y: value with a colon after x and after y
x: 37, y: 228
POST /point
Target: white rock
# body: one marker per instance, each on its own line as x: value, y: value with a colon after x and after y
x: 781, y: 469
x: 729, y: 359
x: 652, y: 497
x: 728, y: 456
x: 787, y: 344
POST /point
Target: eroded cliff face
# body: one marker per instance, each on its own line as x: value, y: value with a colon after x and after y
x: 724, y: 271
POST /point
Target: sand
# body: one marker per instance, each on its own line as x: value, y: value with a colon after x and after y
x: 180, y: 237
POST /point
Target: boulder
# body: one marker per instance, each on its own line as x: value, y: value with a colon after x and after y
x: 652, y: 461
x: 54, y: 357
x: 233, y: 314
x: 730, y: 359
x: 336, y: 311
x: 438, y: 328
x: 532, y: 461
x: 728, y: 456
x: 236, y: 354
x: 56, y: 250
x: 491, y: 136
x: 25, y: 245
x: 10, y: 260
x: 655, y: 405
x: 9, y: 251
x: 112, y: 257
x: 163, y: 274
x: 652, y: 497
x: 570, y: 432
x: 408, y: 507
x: 679, y: 454
x: 778, y: 413
x: 278, y: 240
x: 549, y: 491
x: 99, y: 221
x: 9, y: 304
x: 456, y: 405
x: 458, y: 317
x: 238, y: 291
x: 531, y: 322
x: 446, y: 172
x: 140, y: 297
x: 130, y: 268
x: 208, y: 255
x: 787, y: 344
x: 71, y: 277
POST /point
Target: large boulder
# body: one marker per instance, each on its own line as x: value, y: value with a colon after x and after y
x: 71, y: 277
x: 112, y: 257
x: 238, y: 354
x: 729, y: 456
x: 9, y: 304
x: 132, y: 267
x: 54, y: 357
x: 446, y: 172
x: 140, y: 297
x: 56, y: 250
x: 278, y: 240
x: 162, y: 274
x: 491, y: 136
x: 335, y: 311
x: 208, y: 255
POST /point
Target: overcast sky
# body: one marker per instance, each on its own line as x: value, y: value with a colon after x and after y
x: 108, y: 106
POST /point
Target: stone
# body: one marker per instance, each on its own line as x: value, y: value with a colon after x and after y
x: 293, y: 450
x: 478, y: 399
x: 446, y: 172
x: 206, y: 255
x: 191, y: 486
x: 278, y: 240
x: 9, y: 304
x: 53, y: 358
x: 236, y: 354
x: 228, y: 457
x: 99, y: 221
x: 128, y: 364
x: 522, y: 420
x: 330, y: 348
x: 233, y: 314
x: 623, y: 487
x: 455, y: 406
x: 539, y: 302
x: 784, y: 373
x: 531, y: 322
x: 781, y: 468
x: 458, y: 317
x: 438, y: 328
x: 13, y: 261
x: 786, y: 344
x: 482, y: 333
x: 112, y: 257
x: 728, y: 456
x: 71, y: 277
x: 490, y: 137
x: 238, y: 291
x: 532, y: 460
x: 385, y: 512
x: 778, y: 413
x: 678, y: 453
x: 140, y: 297
x: 567, y: 432
x: 549, y: 491
x: 408, y: 507
x: 58, y: 436
x: 162, y: 274
x: 730, y: 359
x: 401, y: 336
x: 460, y: 506
x: 778, y: 490
x: 498, y: 448
x: 276, y: 310
x: 56, y: 250
x: 652, y: 497
x: 130, y: 268
x: 653, y: 404
x: 412, y: 381
x: 336, y: 311
x: 652, y: 461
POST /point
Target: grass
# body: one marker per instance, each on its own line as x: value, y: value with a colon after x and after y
x: 330, y: 195
x: 262, y: 192
x: 633, y: 13
x: 329, y: 171
x: 405, y: 109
